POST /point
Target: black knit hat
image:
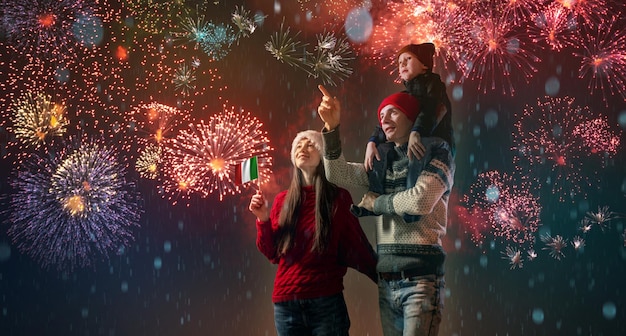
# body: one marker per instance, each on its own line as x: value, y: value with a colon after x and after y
x: 424, y: 52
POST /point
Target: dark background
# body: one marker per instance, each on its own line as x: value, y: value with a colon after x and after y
x: 213, y: 281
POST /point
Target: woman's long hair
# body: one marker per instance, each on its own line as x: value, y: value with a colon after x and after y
x: 325, y: 193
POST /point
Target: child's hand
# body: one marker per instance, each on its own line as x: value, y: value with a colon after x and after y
x: 258, y: 206
x: 415, y: 148
x: 371, y: 152
x: 368, y: 200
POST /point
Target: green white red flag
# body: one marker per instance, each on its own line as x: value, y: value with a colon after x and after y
x: 247, y: 170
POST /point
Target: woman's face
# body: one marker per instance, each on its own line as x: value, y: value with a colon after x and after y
x: 307, y: 156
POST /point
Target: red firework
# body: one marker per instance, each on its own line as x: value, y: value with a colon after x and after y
x: 496, y: 50
x: 603, y: 60
x: 202, y: 159
x: 550, y: 146
x: 500, y: 208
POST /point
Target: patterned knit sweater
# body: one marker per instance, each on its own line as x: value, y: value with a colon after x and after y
x: 402, y: 245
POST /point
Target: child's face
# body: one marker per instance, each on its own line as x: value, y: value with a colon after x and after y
x: 410, y: 66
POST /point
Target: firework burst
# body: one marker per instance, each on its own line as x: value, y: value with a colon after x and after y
x: 245, y: 24
x: 546, y: 139
x: 204, y: 156
x: 604, y: 60
x: 438, y: 21
x: 37, y: 118
x: 155, y: 122
x: 218, y: 41
x: 514, y: 256
x: 287, y: 48
x: 45, y: 28
x: 601, y: 218
x: 555, y: 27
x: 73, y: 208
x: 590, y: 12
x: 184, y: 79
x: 500, y: 208
x: 495, y: 51
x: 160, y: 16
x: 554, y: 245
x: 598, y: 137
x: 578, y: 243
x: 331, y: 58
x: 148, y: 164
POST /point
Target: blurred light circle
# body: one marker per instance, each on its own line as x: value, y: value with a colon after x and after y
x: 5, y: 251
x: 359, y: 25
x: 492, y: 193
x: 491, y: 118
x: 158, y: 263
x: 88, y: 30
x: 457, y: 92
x: 483, y: 261
x: 609, y: 311
x: 552, y: 87
x: 622, y: 119
x: 538, y: 315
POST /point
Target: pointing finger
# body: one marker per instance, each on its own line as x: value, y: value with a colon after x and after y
x: 323, y: 90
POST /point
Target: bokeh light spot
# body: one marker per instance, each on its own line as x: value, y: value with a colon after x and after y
x: 457, y: 93
x: 491, y: 118
x: 359, y: 25
x: 609, y: 311
x: 88, y: 30
x: 5, y: 251
x: 552, y: 86
x: 538, y: 315
x: 621, y: 119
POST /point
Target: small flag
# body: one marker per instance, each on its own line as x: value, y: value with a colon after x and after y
x: 247, y: 170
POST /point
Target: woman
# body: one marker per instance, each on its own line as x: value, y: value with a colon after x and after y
x: 312, y: 236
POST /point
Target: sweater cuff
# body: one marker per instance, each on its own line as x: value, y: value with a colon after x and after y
x: 260, y: 223
x: 332, y: 143
x: 384, y: 205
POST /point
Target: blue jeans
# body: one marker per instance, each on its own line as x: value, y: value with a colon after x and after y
x: 326, y: 316
x: 411, y: 307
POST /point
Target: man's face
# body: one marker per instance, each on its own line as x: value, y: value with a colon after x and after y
x: 395, y: 124
x: 410, y: 66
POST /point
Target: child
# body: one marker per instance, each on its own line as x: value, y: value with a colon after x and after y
x: 415, y: 63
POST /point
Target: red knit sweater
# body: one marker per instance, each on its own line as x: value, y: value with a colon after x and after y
x: 303, y: 274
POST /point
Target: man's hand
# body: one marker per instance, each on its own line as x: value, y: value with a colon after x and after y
x: 368, y: 201
x: 371, y: 152
x: 329, y: 109
x: 415, y: 147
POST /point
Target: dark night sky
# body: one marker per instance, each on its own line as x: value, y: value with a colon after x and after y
x: 213, y: 281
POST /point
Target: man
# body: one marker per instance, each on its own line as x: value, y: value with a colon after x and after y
x: 413, y: 211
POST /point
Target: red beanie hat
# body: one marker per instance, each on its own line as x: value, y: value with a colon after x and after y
x: 424, y: 52
x: 406, y: 103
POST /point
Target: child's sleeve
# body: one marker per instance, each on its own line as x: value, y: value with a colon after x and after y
x: 432, y: 107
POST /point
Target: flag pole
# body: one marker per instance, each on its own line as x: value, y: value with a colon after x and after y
x: 258, y: 182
